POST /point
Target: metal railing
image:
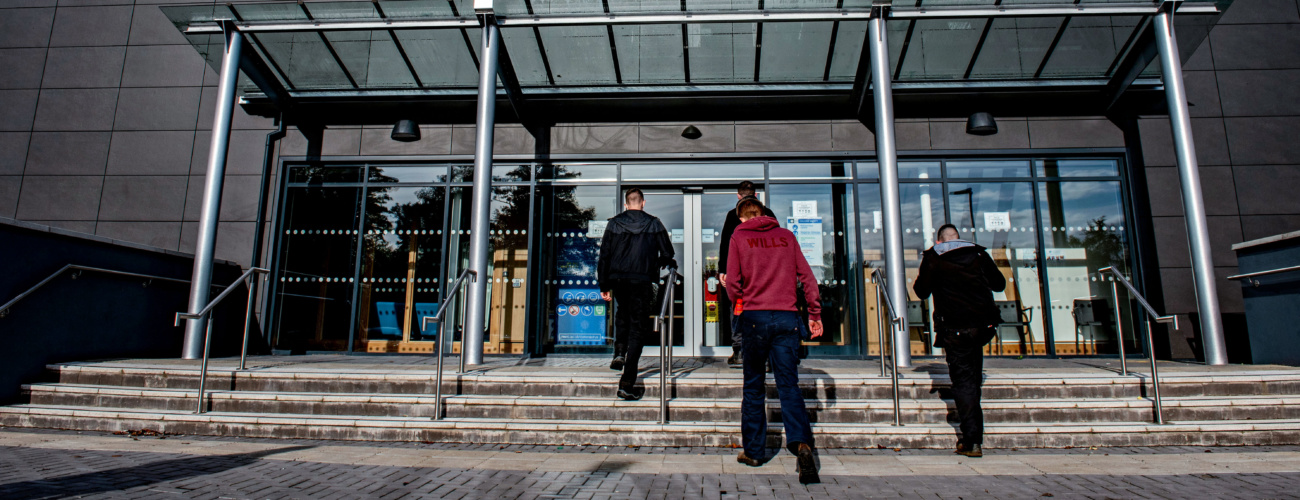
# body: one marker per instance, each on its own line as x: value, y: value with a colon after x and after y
x: 882, y: 297
x: 4, y: 309
x: 205, y: 316
x: 1153, y: 316
x: 1250, y: 277
x: 665, y: 342
x: 439, y: 318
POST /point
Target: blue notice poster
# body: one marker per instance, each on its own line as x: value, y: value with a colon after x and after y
x: 580, y: 316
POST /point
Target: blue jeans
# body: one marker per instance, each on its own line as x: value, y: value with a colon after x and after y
x: 774, y: 336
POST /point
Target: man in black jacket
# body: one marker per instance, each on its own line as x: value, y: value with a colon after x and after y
x: 635, y: 246
x: 744, y: 190
x: 962, y: 277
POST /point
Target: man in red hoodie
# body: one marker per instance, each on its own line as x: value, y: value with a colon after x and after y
x: 765, y: 263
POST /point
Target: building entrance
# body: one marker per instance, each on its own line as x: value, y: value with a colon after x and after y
x: 694, y: 218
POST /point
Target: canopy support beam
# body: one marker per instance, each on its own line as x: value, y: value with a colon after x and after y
x: 471, y: 348
x: 1198, y: 233
x: 887, y: 159
x: 1143, y: 50
x: 206, y: 243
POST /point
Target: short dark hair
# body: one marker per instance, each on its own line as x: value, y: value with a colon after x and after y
x: 745, y: 188
x: 633, y: 195
x: 946, y: 227
x: 749, y: 207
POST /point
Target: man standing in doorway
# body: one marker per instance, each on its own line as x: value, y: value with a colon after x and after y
x: 765, y: 264
x: 744, y: 190
x: 635, y: 246
x: 962, y: 277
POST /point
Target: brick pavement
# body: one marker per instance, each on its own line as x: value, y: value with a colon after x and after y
x: 55, y: 464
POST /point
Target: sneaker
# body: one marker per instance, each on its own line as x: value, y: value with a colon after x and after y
x: 744, y: 459
x: 735, y: 361
x: 617, y: 364
x: 973, y: 451
x: 632, y: 395
x: 806, y: 465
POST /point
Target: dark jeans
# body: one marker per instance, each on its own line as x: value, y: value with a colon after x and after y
x: 965, y: 355
x: 634, y: 301
x: 774, y: 335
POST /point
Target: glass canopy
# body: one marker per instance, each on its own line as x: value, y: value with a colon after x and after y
x: 622, y: 45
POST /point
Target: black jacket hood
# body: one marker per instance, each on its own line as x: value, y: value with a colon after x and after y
x: 633, y: 221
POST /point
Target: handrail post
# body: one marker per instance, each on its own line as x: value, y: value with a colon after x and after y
x: 1155, y: 376
x: 441, y: 318
x: 248, y: 320
x: 895, y: 325
x: 203, y: 370
x: 1119, y: 328
x: 880, y: 326
x: 665, y: 338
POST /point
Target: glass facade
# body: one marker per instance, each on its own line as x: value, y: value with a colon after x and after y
x: 364, y: 251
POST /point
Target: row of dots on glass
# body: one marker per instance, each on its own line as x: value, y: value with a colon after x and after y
x: 398, y: 280
x: 321, y: 231
x: 315, y: 279
x: 1029, y: 229
x: 403, y: 290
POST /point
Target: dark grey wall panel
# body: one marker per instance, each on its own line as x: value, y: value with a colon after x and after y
x: 376, y: 141
x: 1202, y: 93
x: 165, y: 235
x: 1261, y: 11
x: 13, y: 152
x: 85, y: 26
x: 912, y: 135
x: 149, y: 26
x: 1258, y: 141
x: 1093, y: 133
x: 1260, y: 92
x: 9, y: 187
x: 68, y: 153
x: 1258, y: 46
x: 238, y: 198
x: 26, y: 27
x: 240, y: 121
x: 157, y: 108
x: 83, y: 67
x: 1217, y: 185
x: 793, y: 136
x: 61, y: 198
x: 1268, y: 189
x: 1158, y: 142
x: 19, y: 109
x: 1254, y: 227
x: 852, y: 136
x: 76, y: 109
x: 23, y: 68
x: 143, y: 198
x: 594, y: 139
x: 244, y: 156
x: 150, y: 153
x: 1171, y: 242
x: 234, y: 239
x: 162, y: 66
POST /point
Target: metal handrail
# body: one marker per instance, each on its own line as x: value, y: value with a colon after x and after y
x: 1154, y: 316
x: 665, y: 337
x: 245, y: 279
x: 4, y: 310
x: 878, y: 277
x: 438, y: 318
x: 1255, y: 282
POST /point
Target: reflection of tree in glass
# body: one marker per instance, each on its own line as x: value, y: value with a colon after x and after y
x: 1104, y: 247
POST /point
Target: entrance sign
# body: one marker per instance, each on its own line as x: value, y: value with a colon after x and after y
x: 678, y: 235
x: 580, y: 316
x: 997, y: 221
x: 805, y: 209
x: 596, y: 228
x: 808, y: 232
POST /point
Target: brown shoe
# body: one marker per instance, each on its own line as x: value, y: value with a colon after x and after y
x: 806, y: 465
x: 973, y: 451
x: 744, y: 459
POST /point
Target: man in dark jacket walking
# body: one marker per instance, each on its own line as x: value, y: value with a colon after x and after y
x: 962, y: 277
x: 744, y: 190
x: 765, y: 264
x: 633, y: 249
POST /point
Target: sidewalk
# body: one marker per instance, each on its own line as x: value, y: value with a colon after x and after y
x: 48, y: 464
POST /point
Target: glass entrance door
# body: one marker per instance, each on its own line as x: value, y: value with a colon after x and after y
x: 694, y: 219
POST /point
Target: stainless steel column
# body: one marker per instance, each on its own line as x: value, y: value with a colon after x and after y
x: 1198, y: 234
x: 206, y: 244
x: 887, y: 157
x: 480, y: 210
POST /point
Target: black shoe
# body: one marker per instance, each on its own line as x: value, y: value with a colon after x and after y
x: 744, y: 459
x: 736, y: 360
x: 973, y: 451
x: 632, y: 395
x: 806, y: 466
x: 617, y: 364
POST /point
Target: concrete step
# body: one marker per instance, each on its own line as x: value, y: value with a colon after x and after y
x: 618, y: 433
x: 1196, y: 408
x: 700, y: 385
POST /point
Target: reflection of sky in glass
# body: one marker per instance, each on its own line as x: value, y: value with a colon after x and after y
x: 1014, y: 198
x: 1081, y: 203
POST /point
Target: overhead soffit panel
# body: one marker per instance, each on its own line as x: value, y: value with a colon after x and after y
x: 426, y: 47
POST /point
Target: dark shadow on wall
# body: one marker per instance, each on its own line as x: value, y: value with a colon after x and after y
x: 89, y: 315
